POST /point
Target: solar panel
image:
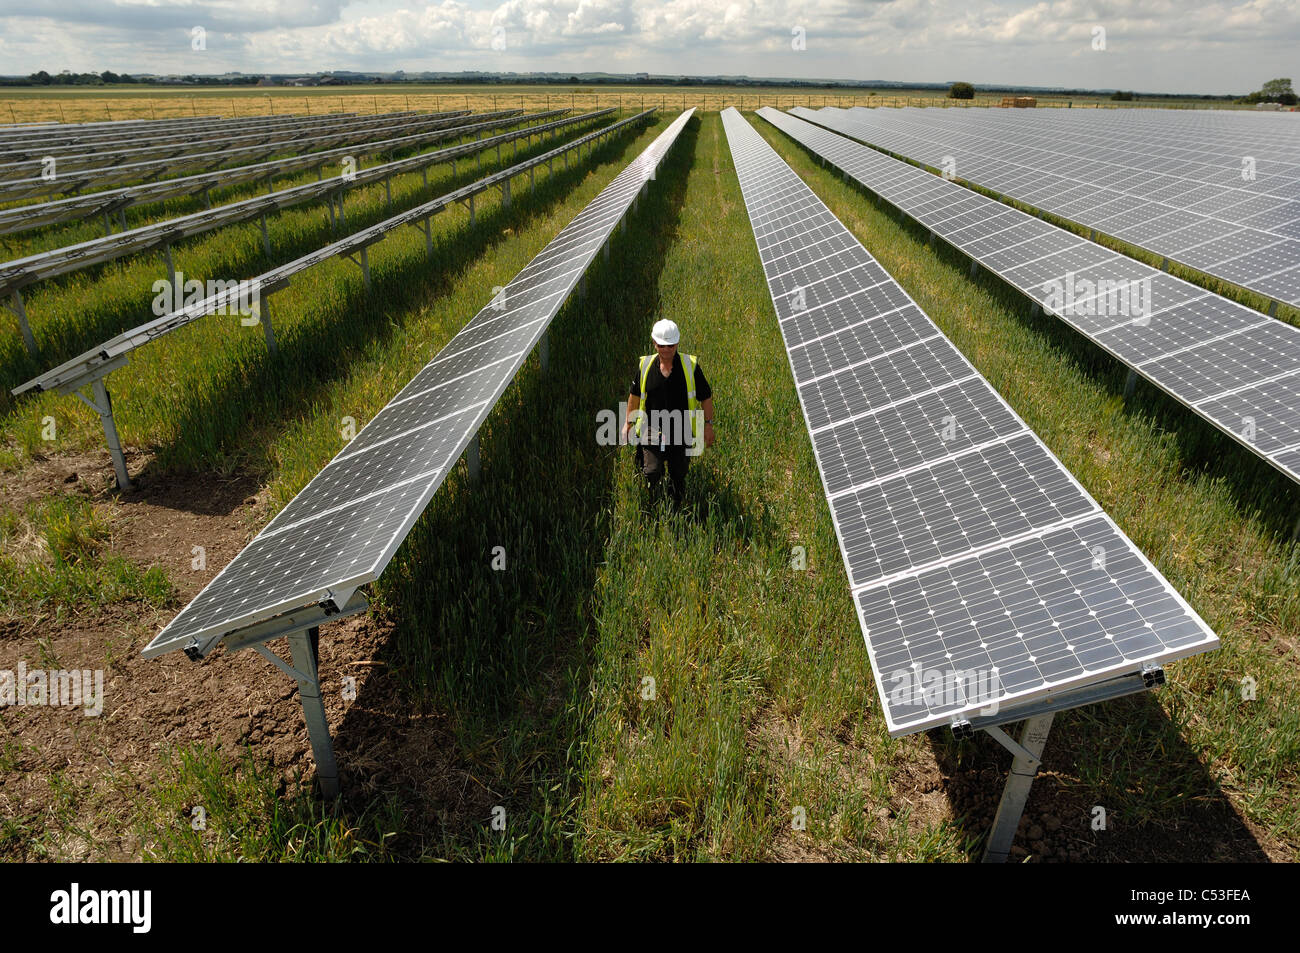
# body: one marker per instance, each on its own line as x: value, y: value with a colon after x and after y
x: 1237, y: 368
x: 985, y: 577
x: 1230, y: 205
x: 343, y: 528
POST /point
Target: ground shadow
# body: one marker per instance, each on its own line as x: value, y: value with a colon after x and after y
x: 1125, y: 756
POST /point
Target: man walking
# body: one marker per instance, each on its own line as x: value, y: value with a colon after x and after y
x: 677, y: 413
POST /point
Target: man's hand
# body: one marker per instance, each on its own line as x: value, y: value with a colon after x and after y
x: 627, y: 432
x: 708, y: 435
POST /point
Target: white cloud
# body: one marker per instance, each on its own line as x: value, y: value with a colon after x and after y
x: 1199, y: 45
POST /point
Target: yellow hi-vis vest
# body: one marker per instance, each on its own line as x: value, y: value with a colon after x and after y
x: 647, y: 361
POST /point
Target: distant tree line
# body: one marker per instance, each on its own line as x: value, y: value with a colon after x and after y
x: 109, y: 78
x: 1274, y: 91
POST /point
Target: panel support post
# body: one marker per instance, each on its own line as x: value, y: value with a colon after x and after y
x: 103, y: 405
x: 505, y: 193
x: 582, y: 288
x: 365, y: 266
x: 171, y: 273
x: 21, y: 311
x: 471, y: 211
x: 264, y: 316
x: 304, y: 646
x: 472, y: 461
x: 1130, y: 383
x: 544, y: 351
x: 266, y: 237
x: 607, y: 249
x: 974, y: 267
x: 1033, y: 738
x: 532, y: 185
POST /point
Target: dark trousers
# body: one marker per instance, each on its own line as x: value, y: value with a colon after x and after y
x: 653, y: 462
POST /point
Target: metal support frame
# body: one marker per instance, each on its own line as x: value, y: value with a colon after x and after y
x: 266, y: 237
x: 1130, y: 383
x: 472, y: 461
x: 544, y: 351
x: 171, y: 271
x: 102, y: 404
x: 974, y: 267
x: 302, y: 629
x: 582, y: 288
x: 305, y: 649
x: 1028, y: 756
x: 264, y: 317
x: 388, y: 189
x: 505, y: 193
x: 1037, y: 716
x: 17, y: 307
x: 363, y: 263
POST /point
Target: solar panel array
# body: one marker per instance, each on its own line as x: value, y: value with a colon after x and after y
x: 1232, y: 365
x: 1219, y: 191
x: 983, y: 574
x: 343, y: 528
x: 107, y: 201
x: 71, y: 176
x: 230, y: 298
x: 22, y: 272
x: 113, y: 142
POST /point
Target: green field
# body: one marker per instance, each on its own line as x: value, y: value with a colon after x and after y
x: 525, y: 689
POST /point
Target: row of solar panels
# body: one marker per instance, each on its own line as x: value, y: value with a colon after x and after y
x: 112, y: 140
x: 22, y: 272
x: 65, y: 180
x: 342, y: 529
x: 130, y: 152
x: 88, y: 364
x: 978, y: 564
x: 1232, y: 365
x: 1235, y: 216
x: 114, y: 201
x: 57, y: 131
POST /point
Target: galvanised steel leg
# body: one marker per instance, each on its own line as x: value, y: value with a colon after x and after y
x: 266, y: 237
x: 1130, y: 384
x: 505, y: 193
x: 472, y: 461
x: 365, y: 266
x: 1033, y: 738
x: 471, y: 211
x: 544, y: 351
x: 264, y: 315
x: 21, y: 311
x: 103, y: 405
x: 177, y: 292
x: 304, y: 645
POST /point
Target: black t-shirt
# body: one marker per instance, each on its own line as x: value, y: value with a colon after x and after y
x: 670, y: 393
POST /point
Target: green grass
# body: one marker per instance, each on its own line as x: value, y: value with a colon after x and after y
x: 56, y: 557
x: 763, y: 712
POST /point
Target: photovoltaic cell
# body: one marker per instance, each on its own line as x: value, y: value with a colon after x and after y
x: 973, y: 555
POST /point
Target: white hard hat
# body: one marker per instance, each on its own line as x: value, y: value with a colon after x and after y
x: 665, y: 332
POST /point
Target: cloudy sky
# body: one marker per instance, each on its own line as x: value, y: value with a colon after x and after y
x: 1188, y: 46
